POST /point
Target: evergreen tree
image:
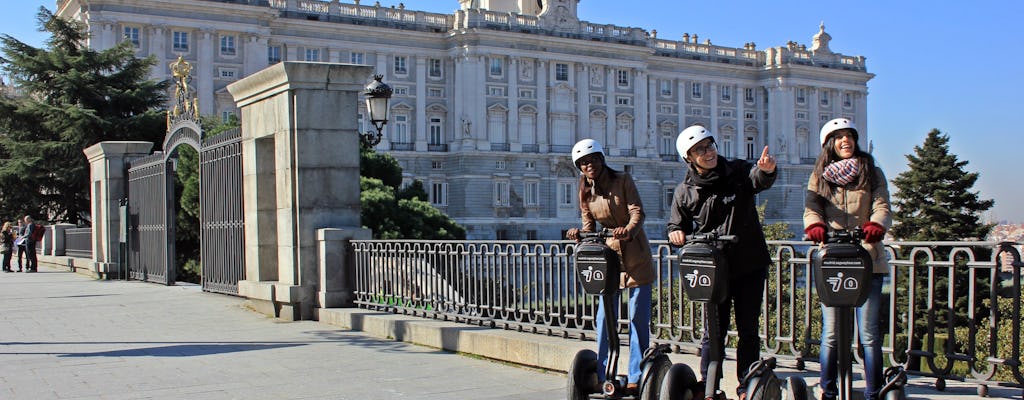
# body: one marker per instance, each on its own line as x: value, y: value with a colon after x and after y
x: 393, y: 212
x: 934, y: 201
x: 69, y: 97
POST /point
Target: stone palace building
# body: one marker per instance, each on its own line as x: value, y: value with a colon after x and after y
x: 489, y: 100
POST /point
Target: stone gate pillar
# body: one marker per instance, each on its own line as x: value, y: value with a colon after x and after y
x: 300, y: 167
x: 108, y: 183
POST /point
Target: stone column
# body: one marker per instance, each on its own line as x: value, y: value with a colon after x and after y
x: 543, y: 133
x: 420, y: 134
x: 56, y: 235
x: 108, y: 168
x: 514, y: 139
x: 300, y: 173
x: 158, y: 48
x: 204, y: 69
x: 337, y: 285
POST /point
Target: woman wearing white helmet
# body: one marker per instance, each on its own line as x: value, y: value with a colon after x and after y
x: 847, y: 190
x: 610, y: 198
x: 717, y: 195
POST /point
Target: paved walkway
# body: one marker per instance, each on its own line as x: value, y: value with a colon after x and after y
x: 66, y: 336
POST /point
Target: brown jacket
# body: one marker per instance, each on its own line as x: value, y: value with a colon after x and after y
x: 848, y: 208
x: 616, y: 203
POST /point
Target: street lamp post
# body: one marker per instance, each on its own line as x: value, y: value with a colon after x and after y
x: 378, y: 94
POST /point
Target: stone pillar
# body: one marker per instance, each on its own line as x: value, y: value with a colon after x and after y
x: 420, y: 134
x: 300, y: 173
x: 108, y: 168
x: 544, y: 69
x: 56, y: 236
x: 204, y: 69
x: 337, y: 284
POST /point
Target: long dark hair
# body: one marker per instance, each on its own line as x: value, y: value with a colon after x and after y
x: 586, y: 187
x: 828, y: 156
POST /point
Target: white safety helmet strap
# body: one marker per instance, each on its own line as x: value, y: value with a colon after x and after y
x: 835, y: 125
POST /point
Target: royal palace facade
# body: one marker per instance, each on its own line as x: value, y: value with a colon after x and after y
x: 489, y: 99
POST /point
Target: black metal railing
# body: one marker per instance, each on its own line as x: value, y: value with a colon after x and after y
x: 953, y: 308
x: 78, y: 242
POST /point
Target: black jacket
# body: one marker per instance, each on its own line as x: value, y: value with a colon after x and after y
x: 700, y: 206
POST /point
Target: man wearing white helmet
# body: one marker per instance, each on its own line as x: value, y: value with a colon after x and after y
x: 610, y: 197
x: 717, y: 195
x: 846, y: 190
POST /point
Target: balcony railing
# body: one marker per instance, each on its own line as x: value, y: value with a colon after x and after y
x: 400, y: 146
x: 962, y: 302
x: 441, y: 147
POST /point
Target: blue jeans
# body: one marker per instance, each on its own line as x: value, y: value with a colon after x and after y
x: 639, y: 332
x: 868, y: 320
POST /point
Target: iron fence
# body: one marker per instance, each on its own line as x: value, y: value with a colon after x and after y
x: 953, y: 308
x: 78, y: 242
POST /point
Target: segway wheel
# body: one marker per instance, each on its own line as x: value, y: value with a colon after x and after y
x: 797, y: 388
x: 582, y: 375
x: 678, y: 383
x: 652, y: 375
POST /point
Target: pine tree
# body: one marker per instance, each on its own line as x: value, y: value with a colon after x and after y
x: 934, y: 201
x: 69, y: 97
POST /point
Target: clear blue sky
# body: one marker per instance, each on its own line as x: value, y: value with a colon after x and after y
x: 953, y: 66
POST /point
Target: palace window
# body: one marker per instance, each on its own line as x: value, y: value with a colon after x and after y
x: 273, y: 54
x: 531, y: 190
x: 801, y: 95
x: 497, y: 67
x: 748, y: 95
x: 561, y: 72
x: 400, y: 65
x: 726, y: 93
x: 227, y: 45
x: 356, y: 58
x: 665, y: 87
x: 622, y: 78
x: 312, y: 55
x: 179, y: 41
x: 436, y: 136
x: 501, y: 193
x: 695, y: 90
x: 439, y: 193
x: 131, y: 34
x: 434, y: 68
x: 824, y: 97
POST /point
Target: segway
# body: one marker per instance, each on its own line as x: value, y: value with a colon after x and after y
x: 705, y: 272
x: 842, y: 267
x: 597, y: 269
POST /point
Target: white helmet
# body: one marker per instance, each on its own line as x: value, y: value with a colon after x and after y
x: 835, y: 125
x: 691, y: 136
x: 584, y: 147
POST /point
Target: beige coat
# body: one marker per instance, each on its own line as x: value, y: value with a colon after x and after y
x: 616, y: 203
x: 848, y: 208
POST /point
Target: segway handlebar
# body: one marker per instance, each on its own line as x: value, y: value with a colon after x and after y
x: 845, y: 236
x: 603, y: 233
x: 711, y: 237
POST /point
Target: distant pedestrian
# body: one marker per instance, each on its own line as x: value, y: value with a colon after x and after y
x: 6, y: 245
x: 34, y: 234
x: 20, y: 237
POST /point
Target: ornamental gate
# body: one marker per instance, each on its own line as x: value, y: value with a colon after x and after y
x: 152, y: 203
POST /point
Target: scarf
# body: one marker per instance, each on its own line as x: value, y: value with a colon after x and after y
x: 842, y: 172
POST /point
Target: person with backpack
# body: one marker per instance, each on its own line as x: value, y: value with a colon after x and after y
x: 34, y: 234
x: 847, y: 190
x: 717, y: 195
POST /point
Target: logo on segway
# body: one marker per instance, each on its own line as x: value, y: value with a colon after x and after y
x: 839, y: 283
x: 591, y: 275
x: 696, y: 279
